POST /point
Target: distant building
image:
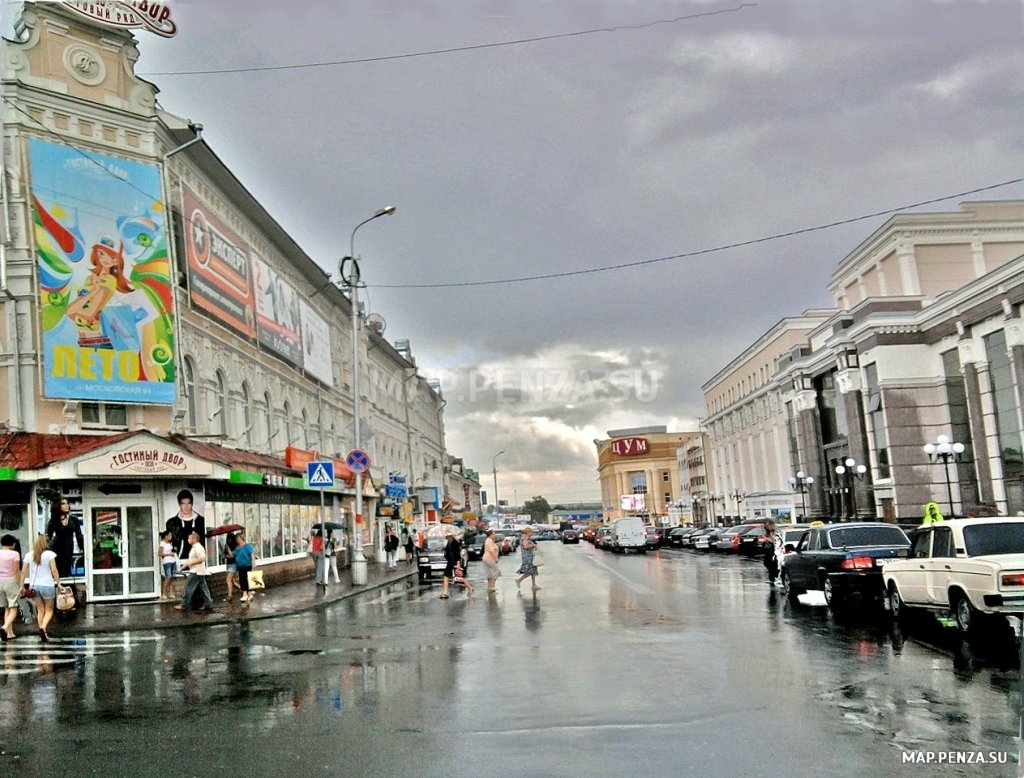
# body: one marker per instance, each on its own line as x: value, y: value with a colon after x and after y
x: 639, y: 472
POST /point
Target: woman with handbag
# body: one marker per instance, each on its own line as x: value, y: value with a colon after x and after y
x: 41, y: 570
x: 10, y: 584
x: 527, y: 569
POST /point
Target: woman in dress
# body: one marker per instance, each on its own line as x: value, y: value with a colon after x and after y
x: 63, y: 533
x: 527, y: 569
x: 40, y: 573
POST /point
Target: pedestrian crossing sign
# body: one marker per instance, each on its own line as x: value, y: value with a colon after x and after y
x: 320, y: 474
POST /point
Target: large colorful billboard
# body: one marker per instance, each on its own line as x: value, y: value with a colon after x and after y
x: 277, y: 313
x: 106, y: 300
x: 219, y: 278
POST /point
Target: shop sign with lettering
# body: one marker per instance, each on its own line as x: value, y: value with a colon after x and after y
x: 128, y: 14
x: 145, y: 460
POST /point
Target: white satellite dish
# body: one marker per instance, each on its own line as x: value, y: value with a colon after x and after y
x: 376, y: 323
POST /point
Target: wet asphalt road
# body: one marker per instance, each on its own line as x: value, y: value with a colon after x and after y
x: 672, y: 663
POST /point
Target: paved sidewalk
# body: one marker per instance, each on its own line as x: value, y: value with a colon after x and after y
x: 270, y: 602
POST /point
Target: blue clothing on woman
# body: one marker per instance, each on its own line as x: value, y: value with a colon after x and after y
x: 243, y: 556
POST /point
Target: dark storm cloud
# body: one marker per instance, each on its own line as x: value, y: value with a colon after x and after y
x: 585, y: 152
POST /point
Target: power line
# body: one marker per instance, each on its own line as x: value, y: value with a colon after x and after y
x: 449, y: 50
x: 699, y: 252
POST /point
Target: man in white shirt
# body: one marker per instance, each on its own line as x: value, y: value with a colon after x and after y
x: 198, y: 573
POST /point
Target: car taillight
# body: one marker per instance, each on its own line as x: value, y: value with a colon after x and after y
x: 1013, y: 579
x: 858, y: 563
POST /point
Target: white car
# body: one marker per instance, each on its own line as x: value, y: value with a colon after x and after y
x: 962, y: 567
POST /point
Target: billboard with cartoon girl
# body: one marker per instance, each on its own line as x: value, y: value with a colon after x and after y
x: 106, y: 301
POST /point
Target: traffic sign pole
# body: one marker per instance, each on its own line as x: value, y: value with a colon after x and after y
x: 357, y: 462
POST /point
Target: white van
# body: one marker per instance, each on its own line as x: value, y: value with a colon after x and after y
x: 629, y: 534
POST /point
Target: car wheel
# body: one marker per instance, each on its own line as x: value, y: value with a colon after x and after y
x: 792, y: 593
x: 897, y: 607
x: 965, y: 614
x: 832, y: 598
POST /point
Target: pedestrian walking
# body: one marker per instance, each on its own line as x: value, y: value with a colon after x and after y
x: 244, y: 556
x: 932, y: 514
x: 490, y: 561
x: 452, y: 558
x: 316, y: 550
x: 198, y: 573
x: 169, y: 565
x: 40, y: 573
x: 527, y: 548
x: 230, y: 566
x: 410, y: 549
x: 10, y: 584
x: 331, y: 558
x: 63, y: 532
x: 391, y: 548
x: 772, y: 550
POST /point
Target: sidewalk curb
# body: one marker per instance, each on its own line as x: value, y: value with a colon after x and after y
x: 192, y: 620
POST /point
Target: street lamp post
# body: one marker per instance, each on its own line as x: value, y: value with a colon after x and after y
x: 945, y: 449
x: 494, y: 472
x: 351, y: 264
x: 737, y: 497
x: 848, y: 471
x: 801, y: 482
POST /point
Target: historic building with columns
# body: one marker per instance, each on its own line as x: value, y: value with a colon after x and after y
x: 909, y: 390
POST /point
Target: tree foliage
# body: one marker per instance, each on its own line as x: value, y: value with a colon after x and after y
x: 538, y: 508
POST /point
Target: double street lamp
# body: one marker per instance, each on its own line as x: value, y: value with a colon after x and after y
x: 351, y: 277
x: 848, y: 471
x: 801, y: 482
x: 945, y: 449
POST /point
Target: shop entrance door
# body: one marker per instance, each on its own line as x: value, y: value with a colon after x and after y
x: 123, y: 553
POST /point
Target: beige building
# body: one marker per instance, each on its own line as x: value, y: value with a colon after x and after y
x: 640, y: 474
x: 159, y: 330
x: 925, y: 346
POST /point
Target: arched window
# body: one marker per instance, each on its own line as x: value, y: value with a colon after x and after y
x: 247, y: 416
x: 268, y: 420
x: 190, y: 394
x: 222, y: 411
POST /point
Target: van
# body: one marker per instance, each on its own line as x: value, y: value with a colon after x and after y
x: 629, y: 534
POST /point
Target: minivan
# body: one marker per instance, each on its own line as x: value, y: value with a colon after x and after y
x: 629, y: 534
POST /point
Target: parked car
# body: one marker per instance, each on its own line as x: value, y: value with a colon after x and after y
x: 655, y: 537
x: 570, y: 536
x: 430, y: 560
x: 604, y: 538
x: 705, y: 539
x: 677, y: 536
x: 970, y: 568
x: 751, y: 542
x: 844, y: 561
x: 791, y: 534
x: 475, y: 546
x: 729, y: 541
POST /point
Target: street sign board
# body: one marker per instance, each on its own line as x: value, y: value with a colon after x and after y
x: 320, y: 474
x: 358, y: 461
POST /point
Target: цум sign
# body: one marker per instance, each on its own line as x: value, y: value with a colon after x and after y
x: 630, y: 447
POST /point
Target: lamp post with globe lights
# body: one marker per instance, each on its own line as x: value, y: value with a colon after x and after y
x: 801, y: 482
x: 945, y: 449
x: 849, y: 471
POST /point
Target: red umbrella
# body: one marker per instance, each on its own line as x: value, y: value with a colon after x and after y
x: 224, y: 529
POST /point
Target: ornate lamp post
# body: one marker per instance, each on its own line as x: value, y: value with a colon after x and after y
x: 848, y: 471
x: 351, y: 279
x: 494, y: 472
x: 801, y: 482
x: 737, y: 497
x: 945, y: 449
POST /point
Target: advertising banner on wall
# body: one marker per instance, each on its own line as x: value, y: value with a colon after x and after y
x: 219, y: 277
x: 316, y: 345
x: 106, y: 306
x: 277, y: 312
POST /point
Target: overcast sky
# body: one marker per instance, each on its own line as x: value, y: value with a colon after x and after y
x: 585, y: 149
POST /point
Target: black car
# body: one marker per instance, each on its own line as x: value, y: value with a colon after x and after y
x: 570, y: 536
x: 842, y: 560
x: 475, y: 546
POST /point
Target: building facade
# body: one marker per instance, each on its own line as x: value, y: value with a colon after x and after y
x: 639, y: 472
x: 161, y: 331
x: 925, y: 346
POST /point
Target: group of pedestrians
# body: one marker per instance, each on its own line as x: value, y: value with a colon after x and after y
x: 455, y: 573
